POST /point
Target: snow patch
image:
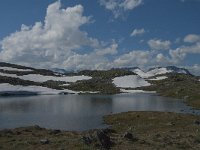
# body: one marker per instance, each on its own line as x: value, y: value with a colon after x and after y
x: 6, y: 87
x: 159, y: 78
x: 130, y: 81
x: 14, y: 69
x: 89, y: 92
x: 136, y: 91
x: 42, y: 78
x: 151, y: 73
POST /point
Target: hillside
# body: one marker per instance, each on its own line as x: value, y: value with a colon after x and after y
x: 167, y: 81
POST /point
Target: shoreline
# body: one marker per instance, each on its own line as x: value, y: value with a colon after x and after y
x: 139, y: 129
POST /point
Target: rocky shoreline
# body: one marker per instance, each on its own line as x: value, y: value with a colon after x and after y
x: 130, y: 130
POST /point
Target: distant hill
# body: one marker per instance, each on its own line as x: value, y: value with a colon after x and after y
x: 16, y: 78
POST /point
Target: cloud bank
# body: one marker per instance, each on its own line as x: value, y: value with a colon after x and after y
x: 57, y: 41
x: 53, y: 43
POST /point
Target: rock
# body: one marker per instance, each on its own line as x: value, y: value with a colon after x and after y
x: 103, y: 139
x: 54, y: 132
x: 171, y: 124
x: 197, y: 122
x: 6, y: 131
x: 186, y: 97
x: 44, y: 141
x: 86, y: 140
x: 108, y: 130
x: 129, y: 136
x: 37, y: 127
x: 157, y: 135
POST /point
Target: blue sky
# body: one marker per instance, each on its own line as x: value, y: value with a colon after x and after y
x: 101, y: 34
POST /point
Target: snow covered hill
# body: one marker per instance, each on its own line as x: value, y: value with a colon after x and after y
x: 15, y: 79
x: 160, y: 71
x: 20, y: 79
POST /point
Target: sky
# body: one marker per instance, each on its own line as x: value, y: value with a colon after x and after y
x: 100, y: 34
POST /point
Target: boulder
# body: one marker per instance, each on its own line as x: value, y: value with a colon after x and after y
x: 197, y: 122
x: 54, y: 132
x: 129, y: 136
x: 86, y: 140
x: 103, y: 139
x: 44, y: 141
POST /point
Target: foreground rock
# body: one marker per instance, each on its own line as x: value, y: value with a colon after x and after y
x: 132, y: 130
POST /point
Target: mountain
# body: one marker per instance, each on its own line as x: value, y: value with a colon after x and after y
x: 160, y: 71
x: 178, y: 70
x: 62, y: 71
x: 17, y: 79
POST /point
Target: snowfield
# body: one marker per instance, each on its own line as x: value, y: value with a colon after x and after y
x: 42, y: 78
x: 159, y: 78
x: 151, y: 73
x: 14, y: 69
x: 6, y: 87
x: 130, y: 81
x: 136, y: 91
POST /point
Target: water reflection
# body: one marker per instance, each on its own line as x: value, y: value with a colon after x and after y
x: 77, y: 112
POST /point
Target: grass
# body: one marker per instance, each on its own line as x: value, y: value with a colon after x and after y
x: 103, y: 86
x: 180, y: 86
x: 101, y: 81
x: 106, y: 74
x: 156, y: 130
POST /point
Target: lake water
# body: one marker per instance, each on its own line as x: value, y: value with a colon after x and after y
x: 78, y: 112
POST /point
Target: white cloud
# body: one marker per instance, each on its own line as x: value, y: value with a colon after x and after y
x: 195, y: 69
x: 55, y: 41
x: 131, y: 4
x: 160, y: 58
x: 183, y: 50
x: 86, y: 61
x: 180, y: 53
x: 157, y: 44
x: 108, y: 50
x: 133, y: 58
x: 118, y: 7
x: 138, y: 32
x: 177, y: 55
x: 189, y: 0
x: 192, y: 38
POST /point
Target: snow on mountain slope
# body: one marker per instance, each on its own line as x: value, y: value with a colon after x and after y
x: 159, y: 70
x: 140, y: 73
x: 130, y: 81
x: 42, y: 78
x: 136, y: 91
x: 6, y: 87
x: 178, y: 70
x: 14, y: 69
x: 159, y: 78
x: 151, y: 73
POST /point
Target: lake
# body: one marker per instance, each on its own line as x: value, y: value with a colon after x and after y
x: 79, y: 112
